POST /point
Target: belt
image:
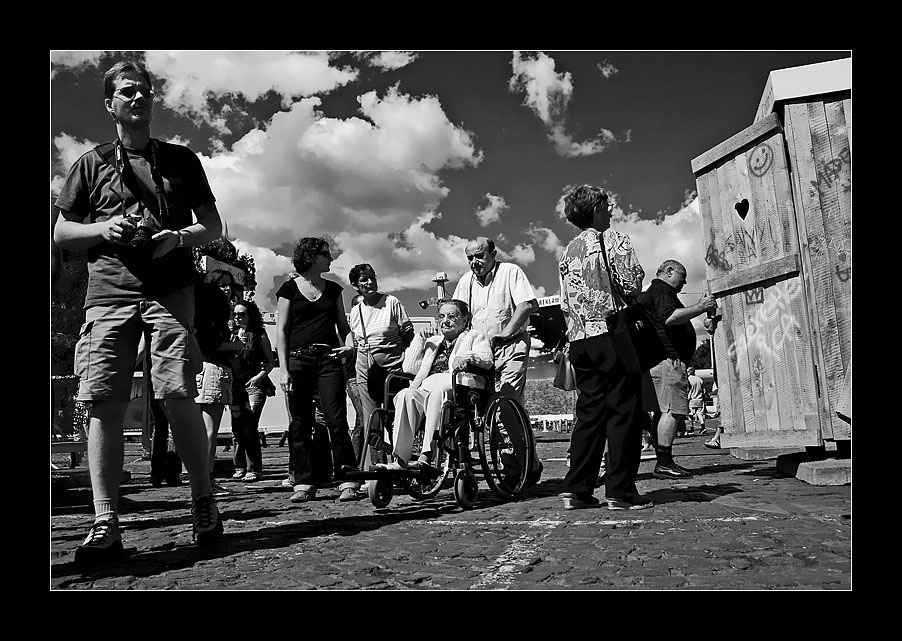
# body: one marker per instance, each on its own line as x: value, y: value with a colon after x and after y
x: 316, y: 349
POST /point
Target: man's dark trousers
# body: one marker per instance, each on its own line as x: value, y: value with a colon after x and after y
x: 607, y: 409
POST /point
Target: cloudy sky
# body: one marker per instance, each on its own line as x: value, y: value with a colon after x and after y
x: 400, y: 156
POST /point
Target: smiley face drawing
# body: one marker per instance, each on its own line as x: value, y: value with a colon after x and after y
x: 761, y: 159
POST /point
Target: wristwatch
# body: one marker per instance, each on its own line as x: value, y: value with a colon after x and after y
x: 181, y: 242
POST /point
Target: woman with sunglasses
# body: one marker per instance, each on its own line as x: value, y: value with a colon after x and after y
x: 251, y: 368
x: 311, y: 332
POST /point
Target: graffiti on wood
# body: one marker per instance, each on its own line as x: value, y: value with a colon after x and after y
x: 830, y: 170
x: 770, y: 339
x: 761, y: 159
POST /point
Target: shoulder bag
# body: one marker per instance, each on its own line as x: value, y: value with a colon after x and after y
x: 634, y: 334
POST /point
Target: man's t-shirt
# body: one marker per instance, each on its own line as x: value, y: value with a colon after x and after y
x: 311, y: 321
x: 94, y: 191
x: 660, y: 301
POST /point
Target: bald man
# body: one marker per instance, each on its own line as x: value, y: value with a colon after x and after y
x: 501, y: 300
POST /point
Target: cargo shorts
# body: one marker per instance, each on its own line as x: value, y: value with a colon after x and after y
x: 672, y: 386
x: 106, y: 355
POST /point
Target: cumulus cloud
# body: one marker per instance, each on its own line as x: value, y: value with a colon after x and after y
x: 368, y: 182
x: 388, y: 60
x: 491, y: 213
x: 201, y: 84
x: 73, y: 60
x: 546, y: 239
x: 547, y: 93
x: 607, y: 69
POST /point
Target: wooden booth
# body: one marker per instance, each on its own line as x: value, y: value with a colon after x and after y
x: 776, y: 206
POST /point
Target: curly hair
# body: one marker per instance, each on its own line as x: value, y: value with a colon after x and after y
x: 359, y: 270
x: 254, y: 316
x: 306, y: 250
x: 581, y: 202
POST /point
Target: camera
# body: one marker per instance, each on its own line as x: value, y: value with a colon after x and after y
x: 144, y: 229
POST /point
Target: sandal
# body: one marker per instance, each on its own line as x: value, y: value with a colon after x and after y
x: 348, y: 494
x: 712, y: 444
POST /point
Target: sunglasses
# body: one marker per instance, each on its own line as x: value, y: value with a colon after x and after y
x: 131, y: 91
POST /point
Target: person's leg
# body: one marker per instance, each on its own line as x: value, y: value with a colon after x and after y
x: 105, y: 357
x: 106, y: 455
x: 333, y: 401
x: 671, y: 387
x: 367, y: 405
x: 192, y: 426
x: 592, y: 359
x: 357, y: 430
x: 300, y: 429
x: 409, y: 408
x: 251, y: 411
x: 159, y: 444
x: 438, y: 392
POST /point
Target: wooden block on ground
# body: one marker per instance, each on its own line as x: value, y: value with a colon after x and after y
x: 762, y: 453
x: 829, y: 471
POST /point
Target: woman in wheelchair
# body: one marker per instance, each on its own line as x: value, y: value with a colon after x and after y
x: 433, y: 360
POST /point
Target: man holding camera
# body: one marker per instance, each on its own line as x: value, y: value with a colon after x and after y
x: 129, y: 204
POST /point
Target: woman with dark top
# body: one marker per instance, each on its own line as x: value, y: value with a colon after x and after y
x: 311, y: 331
x: 250, y: 369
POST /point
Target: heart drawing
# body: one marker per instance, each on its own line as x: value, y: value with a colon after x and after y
x: 742, y: 208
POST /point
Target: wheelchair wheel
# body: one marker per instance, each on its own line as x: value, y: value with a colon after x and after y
x: 465, y: 489
x: 505, y: 448
x: 380, y: 491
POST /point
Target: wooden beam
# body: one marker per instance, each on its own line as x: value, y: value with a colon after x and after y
x: 744, y: 137
x: 772, y: 272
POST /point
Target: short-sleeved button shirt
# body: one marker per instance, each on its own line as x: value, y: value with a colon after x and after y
x: 493, y: 303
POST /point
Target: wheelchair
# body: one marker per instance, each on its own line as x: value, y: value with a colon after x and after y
x: 484, y: 434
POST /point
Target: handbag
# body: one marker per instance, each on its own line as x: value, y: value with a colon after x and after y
x: 564, y: 378
x: 635, y: 336
x: 267, y: 386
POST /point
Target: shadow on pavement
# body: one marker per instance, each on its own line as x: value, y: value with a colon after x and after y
x: 169, y: 556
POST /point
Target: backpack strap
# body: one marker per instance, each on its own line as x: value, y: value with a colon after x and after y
x: 106, y: 151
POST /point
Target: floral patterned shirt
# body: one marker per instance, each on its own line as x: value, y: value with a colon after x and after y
x: 586, y: 298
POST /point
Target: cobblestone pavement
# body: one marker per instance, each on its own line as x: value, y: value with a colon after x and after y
x: 736, y: 525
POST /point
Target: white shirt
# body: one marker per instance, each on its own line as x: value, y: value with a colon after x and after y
x: 493, y: 304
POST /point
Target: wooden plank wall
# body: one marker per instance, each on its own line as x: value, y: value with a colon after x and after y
x: 818, y: 137
x: 765, y: 377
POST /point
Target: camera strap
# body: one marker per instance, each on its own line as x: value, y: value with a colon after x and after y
x: 115, y: 155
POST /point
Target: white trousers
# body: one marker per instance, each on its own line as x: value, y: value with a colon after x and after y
x: 410, y: 407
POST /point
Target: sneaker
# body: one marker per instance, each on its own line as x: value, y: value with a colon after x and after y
x: 671, y: 471
x: 252, y: 476
x: 103, y: 544
x: 303, y: 496
x: 395, y: 466
x: 630, y: 502
x: 288, y: 482
x: 238, y: 475
x: 348, y: 494
x: 207, y: 526
x: 579, y: 501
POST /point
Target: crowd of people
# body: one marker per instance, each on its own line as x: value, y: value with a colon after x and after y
x: 138, y: 206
